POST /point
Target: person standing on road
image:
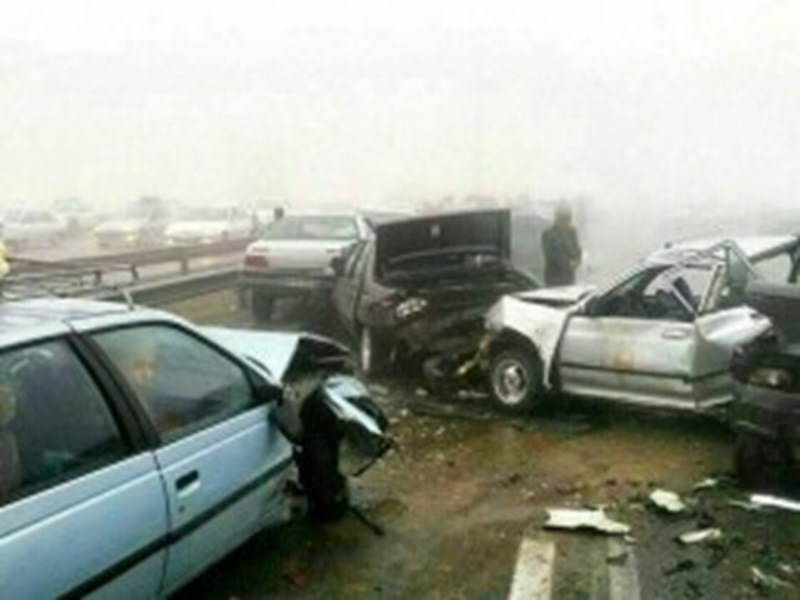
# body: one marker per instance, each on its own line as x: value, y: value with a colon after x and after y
x: 562, y: 252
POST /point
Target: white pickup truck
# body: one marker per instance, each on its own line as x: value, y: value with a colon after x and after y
x: 292, y: 257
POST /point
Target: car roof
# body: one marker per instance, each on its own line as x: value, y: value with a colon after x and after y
x: 18, y: 316
x: 753, y: 247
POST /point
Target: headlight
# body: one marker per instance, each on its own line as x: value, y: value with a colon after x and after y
x: 410, y: 307
x: 771, y: 378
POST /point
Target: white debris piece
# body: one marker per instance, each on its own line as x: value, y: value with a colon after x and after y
x: 668, y: 501
x: 700, y: 536
x: 706, y: 484
x: 748, y: 506
x: 765, y: 580
x: 774, y: 501
x: 570, y: 518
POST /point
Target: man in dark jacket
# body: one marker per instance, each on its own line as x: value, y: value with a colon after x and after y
x: 562, y: 252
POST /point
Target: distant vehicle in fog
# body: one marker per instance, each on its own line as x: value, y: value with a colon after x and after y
x: 31, y: 227
x: 77, y: 215
x: 142, y: 224
x: 209, y: 223
x: 293, y: 256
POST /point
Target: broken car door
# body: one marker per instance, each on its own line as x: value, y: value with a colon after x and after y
x: 222, y: 459
x: 636, y: 342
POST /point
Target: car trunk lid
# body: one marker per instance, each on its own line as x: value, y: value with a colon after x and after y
x: 418, y: 252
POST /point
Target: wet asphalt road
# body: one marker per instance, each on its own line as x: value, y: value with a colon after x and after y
x: 466, y: 485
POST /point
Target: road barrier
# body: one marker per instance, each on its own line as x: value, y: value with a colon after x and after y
x: 169, y: 291
x: 181, y: 255
x: 117, y: 276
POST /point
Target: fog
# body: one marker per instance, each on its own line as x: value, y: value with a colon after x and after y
x: 645, y: 108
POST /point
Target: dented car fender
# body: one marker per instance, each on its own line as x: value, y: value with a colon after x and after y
x: 543, y: 326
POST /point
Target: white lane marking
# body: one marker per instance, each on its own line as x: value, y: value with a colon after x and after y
x: 533, y: 575
x: 623, y: 576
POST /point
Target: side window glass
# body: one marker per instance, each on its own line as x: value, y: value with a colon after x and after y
x: 54, y: 422
x: 183, y: 384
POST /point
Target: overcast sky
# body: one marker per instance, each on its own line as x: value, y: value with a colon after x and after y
x: 625, y: 101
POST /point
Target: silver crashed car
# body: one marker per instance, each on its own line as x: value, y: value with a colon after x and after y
x: 660, y: 336
x: 137, y: 449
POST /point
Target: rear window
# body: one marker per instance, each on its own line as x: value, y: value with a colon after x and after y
x: 312, y: 228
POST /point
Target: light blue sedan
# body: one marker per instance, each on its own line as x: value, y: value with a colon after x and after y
x: 136, y: 449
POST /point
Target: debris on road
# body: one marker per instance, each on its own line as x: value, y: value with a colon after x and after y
x: 767, y: 581
x: 668, y: 501
x: 774, y: 502
x: 596, y: 520
x: 748, y: 506
x: 706, y: 484
x: 700, y: 536
x: 379, y: 390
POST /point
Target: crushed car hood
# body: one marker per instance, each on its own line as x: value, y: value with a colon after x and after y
x: 399, y: 244
x: 781, y: 304
x: 275, y: 351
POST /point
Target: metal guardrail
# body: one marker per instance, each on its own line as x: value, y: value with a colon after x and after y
x: 177, y: 289
x: 133, y: 258
x: 116, y: 276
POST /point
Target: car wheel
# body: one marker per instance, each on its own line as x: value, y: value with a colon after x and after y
x: 515, y: 379
x: 263, y: 306
x: 372, y: 352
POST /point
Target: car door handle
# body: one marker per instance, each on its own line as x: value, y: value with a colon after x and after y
x: 187, y: 484
x: 674, y: 334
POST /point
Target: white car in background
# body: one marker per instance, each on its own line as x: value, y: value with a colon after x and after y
x: 32, y: 227
x: 208, y: 224
x: 292, y: 256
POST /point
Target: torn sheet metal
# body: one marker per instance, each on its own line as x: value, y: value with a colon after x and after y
x: 700, y: 536
x: 595, y: 520
x: 668, y: 501
x: 775, y: 502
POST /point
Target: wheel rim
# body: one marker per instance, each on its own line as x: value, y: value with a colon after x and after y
x: 511, y: 381
x: 366, y: 349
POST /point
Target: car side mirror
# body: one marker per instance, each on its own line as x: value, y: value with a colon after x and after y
x: 337, y: 265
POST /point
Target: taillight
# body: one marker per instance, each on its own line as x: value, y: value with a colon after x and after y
x: 256, y: 261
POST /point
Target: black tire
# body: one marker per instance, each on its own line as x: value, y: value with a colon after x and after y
x: 373, y: 352
x: 515, y: 379
x: 263, y: 306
